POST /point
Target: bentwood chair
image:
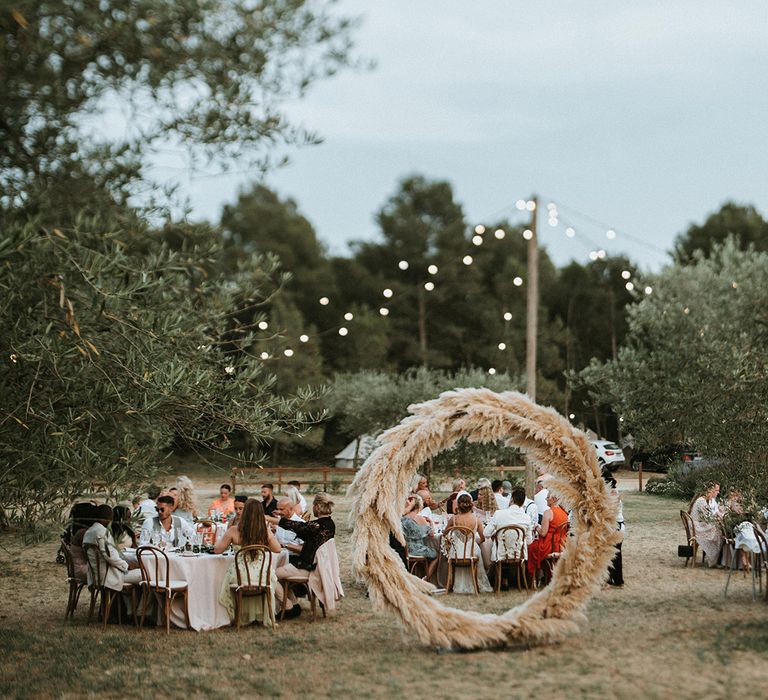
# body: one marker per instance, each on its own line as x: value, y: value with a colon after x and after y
x: 253, y: 566
x: 508, y: 545
x: 460, y: 548
x: 690, y: 538
x: 326, y: 569
x: 76, y: 585
x: 557, y: 537
x: 156, y: 580
x: 97, y: 568
x: 761, y: 559
x: 415, y: 561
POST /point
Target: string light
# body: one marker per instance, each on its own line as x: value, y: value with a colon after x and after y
x: 429, y: 286
x: 499, y: 233
x: 571, y: 416
x: 530, y: 205
x: 629, y: 286
x: 507, y: 316
x: 348, y: 316
x: 601, y: 254
x: 388, y: 293
x: 626, y: 274
x: 229, y: 369
x: 403, y: 264
x: 480, y: 229
x: 343, y: 331
x: 384, y: 311
x: 467, y: 260
x: 527, y: 234
x: 570, y: 232
x: 325, y: 301
x: 518, y: 281
x: 264, y: 356
x: 520, y: 204
x: 686, y: 311
x: 304, y: 338
x: 263, y: 325
x: 432, y: 269
x: 648, y: 290
x: 491, y: 370
x: 502, y: 346
x: 288, y: 352
x: 610, y: 234
x: 477, y: 240
x: 593, y: 255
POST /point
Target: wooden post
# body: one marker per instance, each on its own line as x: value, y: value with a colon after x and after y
x: 531, y: 328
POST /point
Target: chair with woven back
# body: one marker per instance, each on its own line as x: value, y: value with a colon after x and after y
x: 76, y: 584
x: 460, y: 549
x: 156, y: 580
x: 557, y: 537
x: 690, y: 538
x: 97, y: 569
x: 508, y: 543
x: 253, y: 566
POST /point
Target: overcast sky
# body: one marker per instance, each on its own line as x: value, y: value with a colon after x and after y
x: 642, y: 116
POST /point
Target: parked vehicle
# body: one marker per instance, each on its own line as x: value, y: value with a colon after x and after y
x: 660, y: 459
x: 609, y: 454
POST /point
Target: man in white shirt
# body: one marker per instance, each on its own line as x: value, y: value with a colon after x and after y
x: 172, y: 529
x: 113, y: 569
x: 148, y: 507
x: 502, y: 502
x: 532, y: 511
x: 287, y: 538
x: 510, y: 545
x: 540, y: 498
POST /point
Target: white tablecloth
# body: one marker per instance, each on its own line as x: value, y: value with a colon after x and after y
x: 204, y: 575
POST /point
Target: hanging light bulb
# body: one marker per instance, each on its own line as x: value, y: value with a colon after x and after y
x: 520, y: 204
x: 432, y: 269
x: 477, y: 240
x: 264, y: 356
x: 571, y: 416
x: 648, y: 290
x: 403, y: 264
x: 570, y: 232
x: 527, y: 234
x: 388, y: 293
x: 467, y: 260
x: 491, y: 370
x: 507, y: 316
x: 288, y: 352
x: 626, y: 274
x: 343, y: 331
x: 304, y: 338
x: 530, y: 205
x: 518, y: 281
x: 610, y: 234
x: 429, y: 286
x: 384, y: 311
x: 480, y: 229
x: 601, y: 254
x: 499, y: 233
x: 263, y: 325
x: 502, y: 346
x: 325, y: 301
x: 348, y: 316
x: 593, y: 255
x: 629, y: 286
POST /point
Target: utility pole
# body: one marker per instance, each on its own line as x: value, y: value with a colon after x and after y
x: 531, y: 325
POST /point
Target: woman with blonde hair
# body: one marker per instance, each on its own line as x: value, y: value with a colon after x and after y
x: 252, y: 529
x: 185, y: 499
x: 464, y: 517
x: 420, y: 486
x: 708, y: 534
x: 486, y: 501
x: 416, y: 530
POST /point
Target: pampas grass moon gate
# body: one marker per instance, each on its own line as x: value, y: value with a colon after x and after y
x: 481, y: 415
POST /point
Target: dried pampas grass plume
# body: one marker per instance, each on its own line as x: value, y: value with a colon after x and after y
x: 481, y: 415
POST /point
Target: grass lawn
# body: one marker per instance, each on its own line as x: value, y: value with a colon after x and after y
x: 667, y: 633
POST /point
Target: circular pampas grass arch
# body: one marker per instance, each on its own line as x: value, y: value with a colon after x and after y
x: 481, y: 415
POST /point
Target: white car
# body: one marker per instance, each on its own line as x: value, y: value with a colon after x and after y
x: 609, y: 454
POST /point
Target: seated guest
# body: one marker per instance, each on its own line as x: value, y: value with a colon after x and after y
x: 502, y: 501
x: 464, y: 517
x: 514, y: 515
x: 293, y: 495
x: 550, y: 539
x: 240, y: 502
x: 303, y: 500
x: 166, y: 527
x: 529, y: 506
x: 252, y: 529
x: 708, y: 533
x: 417, y: 530
x: 486, y: 502
x: 286, y: 508
x: 148, y: 506
x: 268, y: 501
x: 122, y: 531
x: 224, y: 504
x: 421, y: 488
x: 185, y: 502
x: 114, y: 569
x: 82, y: 519
x: 506, y: 489
x: 315, y: 533
x: 457, y: 487
x: 540, y: 497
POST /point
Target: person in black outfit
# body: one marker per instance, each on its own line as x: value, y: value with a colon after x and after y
x: 315, y: 533
x: 268, y: 501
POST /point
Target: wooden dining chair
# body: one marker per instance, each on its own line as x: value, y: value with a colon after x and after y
x: 96, y: 567
x: 75, y: 584
x: 250, y: 581
x: 460, y: 548
x: 156, y: 580
x: 760, y: 560
x: 690, y: 538
x: 415, y: 561
x: 510, y: 540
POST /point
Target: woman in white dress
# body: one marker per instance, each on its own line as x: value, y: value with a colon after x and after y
x: 744, y: 540
x: 708, y: 533
x: 465, y: 518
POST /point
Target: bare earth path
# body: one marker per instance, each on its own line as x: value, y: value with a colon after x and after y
x: 667, y: 633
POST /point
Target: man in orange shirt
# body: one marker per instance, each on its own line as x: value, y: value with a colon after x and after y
x: 225, y: 504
